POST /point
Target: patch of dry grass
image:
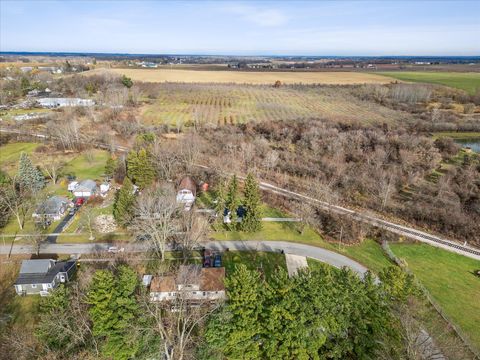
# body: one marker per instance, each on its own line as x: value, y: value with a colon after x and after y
x: 248, y: 77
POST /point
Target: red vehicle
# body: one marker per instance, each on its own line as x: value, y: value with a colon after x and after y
x: 79, y: 201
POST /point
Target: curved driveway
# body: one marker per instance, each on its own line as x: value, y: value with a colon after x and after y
x: 323, y: 255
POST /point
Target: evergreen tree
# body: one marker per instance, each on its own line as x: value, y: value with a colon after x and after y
x: 233, y: 202
x: 124, y: 203
x: 221, y: 203
x: 110, y: 167
x: 29, y: 176
x: 252, y: 220
x: 140, y: 168
x: 235, y: 330
x: 127, y: 82
x: 114, y: 310
x: 321, y: 314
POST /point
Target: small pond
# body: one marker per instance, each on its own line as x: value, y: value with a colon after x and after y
x: 473, y: 144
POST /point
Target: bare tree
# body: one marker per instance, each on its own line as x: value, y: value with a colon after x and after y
x: 52, y: 168
x: 306, y: 212
x: 153, y: 218
x: 88, y: 217
x: 35, y: 239
x: 193, y: 229
x: 167, y: 160
x: 18, y: 201
x: 176, y: 321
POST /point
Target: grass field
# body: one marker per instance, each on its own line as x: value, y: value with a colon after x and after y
x: 369, y: 253
x: 266, y: 261
x: 469, y: 82
x: 247, y: 77
x: 450, y: 280
x: 179, y: 105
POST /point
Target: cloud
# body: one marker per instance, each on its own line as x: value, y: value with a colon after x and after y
x: 259, y: 16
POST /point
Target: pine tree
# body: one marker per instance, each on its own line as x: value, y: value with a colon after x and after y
x: 110, y: 167
x: 124, y: 202
x: 140, y: 168
x: 221, y: 203
x: 252, y: 220
x: 114, y: 310
x: 132, y: 165
x: 29, y: 176
x: 233, y: 202
x: 146, y: 170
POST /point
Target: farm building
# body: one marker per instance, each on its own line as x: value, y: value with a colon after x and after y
x: 53, y: 208
x: 192, y: 283
x: 85, y: 189
x: 41, y: 276
x: 64, y: 102
x: 187, y: 191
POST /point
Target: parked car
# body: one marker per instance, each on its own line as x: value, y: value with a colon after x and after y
x: 72, y: 211
x: 217, y: 262
x: 207, y: 258
x: 79, y: 201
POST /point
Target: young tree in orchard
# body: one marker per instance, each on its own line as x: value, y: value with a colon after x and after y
x: 114, y: 312
x: 123, y: 205
x: 252, y: 220
x: 233, y: 202
x: 29, y: 177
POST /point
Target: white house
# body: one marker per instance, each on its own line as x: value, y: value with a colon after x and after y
x: 187, y: 191
x: 192, y: 283
x: 85, y: 189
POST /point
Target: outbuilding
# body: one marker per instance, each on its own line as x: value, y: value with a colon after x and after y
x: 85, y: 189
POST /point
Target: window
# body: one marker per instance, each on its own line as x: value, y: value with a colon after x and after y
x: 34, y: 286
x: 194, y: 293
x: 204, y: 293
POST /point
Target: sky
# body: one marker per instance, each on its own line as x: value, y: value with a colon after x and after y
x: 342, y: 28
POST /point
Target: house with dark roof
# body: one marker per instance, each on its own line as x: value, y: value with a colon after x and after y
x: 43, y: 275
x: 192, y: 283
x: 53, y: 208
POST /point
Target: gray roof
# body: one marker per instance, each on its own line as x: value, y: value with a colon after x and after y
x: 52, y: 205
x: 44, y: 277
x: 36, y: 266
x: 86, y: 185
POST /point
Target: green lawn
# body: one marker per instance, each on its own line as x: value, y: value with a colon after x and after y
x: 369, y: 253
x: 269, y: 262
x: 469, y: 82
x: 10, y: 153
x: 273, y: 231
x: 450, y: 280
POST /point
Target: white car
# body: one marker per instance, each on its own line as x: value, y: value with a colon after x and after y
x: 114, y: 249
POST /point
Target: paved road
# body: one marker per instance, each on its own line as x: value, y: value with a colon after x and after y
x: 357, y: 215
x: 323, y: 255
